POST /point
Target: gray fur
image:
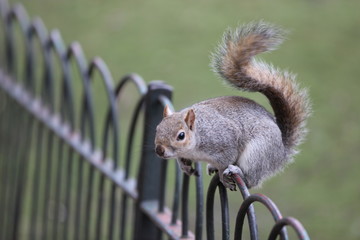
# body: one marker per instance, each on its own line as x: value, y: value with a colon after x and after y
x: 241, y: 126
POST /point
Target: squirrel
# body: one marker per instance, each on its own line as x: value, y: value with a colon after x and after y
x: 234, y: 134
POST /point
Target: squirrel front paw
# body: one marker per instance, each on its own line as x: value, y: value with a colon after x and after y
x: 186, y: 166
x: 210, y: 169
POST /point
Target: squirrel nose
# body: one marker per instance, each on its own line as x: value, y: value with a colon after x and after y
x: 160, y: 150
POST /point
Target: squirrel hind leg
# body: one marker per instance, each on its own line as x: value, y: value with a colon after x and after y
x: 226, y: 176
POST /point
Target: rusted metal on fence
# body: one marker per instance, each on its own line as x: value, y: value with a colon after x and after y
x: 57, y: 183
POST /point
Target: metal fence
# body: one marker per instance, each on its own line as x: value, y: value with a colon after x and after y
x: 58, y: 181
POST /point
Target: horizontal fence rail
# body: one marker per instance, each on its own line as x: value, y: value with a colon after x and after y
x: 69, y: 172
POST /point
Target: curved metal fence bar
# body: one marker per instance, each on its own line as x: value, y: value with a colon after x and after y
x: 67, y: 103
x: 74, y: 51
x: 97, y: 64
x: 224, y: 212
x: 268, y: 203
x: 289, y: 221
x: 87, y: 128
x: 131, y: 135
x: 19, y: 15
x: 53, y: 144
x: 53, y: 45
x: 10, y: 197
x: 210, y: 198
x: 142, y: 88
x: 57, y: 183
x: 210, y: 228
x: 38, y: 31
x: 13, y: 199
x: 166, y: 102
x: 137, y: 80
x: 250, y: 213
x: 66, y: 112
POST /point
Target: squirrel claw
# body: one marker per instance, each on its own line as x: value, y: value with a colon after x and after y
x: 191, y: 171
x: 229, y: 184
x: 233, y: 188
x: 186, y: 167
x: 188, y: 170
x: 196, y: 173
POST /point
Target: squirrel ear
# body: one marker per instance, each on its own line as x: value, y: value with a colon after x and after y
x: 190, y: 119
x: 167, y: 111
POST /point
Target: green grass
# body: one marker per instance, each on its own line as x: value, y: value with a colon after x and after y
x: 171, y: 41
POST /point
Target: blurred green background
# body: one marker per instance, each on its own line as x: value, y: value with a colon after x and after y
x: 172, y: 40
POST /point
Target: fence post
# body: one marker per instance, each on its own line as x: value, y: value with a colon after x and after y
x: 148, y: 184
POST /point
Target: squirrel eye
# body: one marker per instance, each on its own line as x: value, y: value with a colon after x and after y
x: 181, y: 136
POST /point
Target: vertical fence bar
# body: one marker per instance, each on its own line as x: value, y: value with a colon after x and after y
x: 47, y: 184
x: 23, y: 173
x: 89, y: 198
x: 3, y: 107
x: 210, y: 228
x: 57, y: 187
x: 12, y: 157
x: 185, y: 206
x: 150, y: 165
x: 36, y: 180
x: 176, y: 198
x: 69, y: 181
x: 199, y: 203
x: 2, y: 163
x: 163, y: 172
x: 3, y: 176
x: 224, y: 212
x: 99, y: 208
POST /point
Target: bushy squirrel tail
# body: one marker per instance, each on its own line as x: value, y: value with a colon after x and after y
x: 233, y: 60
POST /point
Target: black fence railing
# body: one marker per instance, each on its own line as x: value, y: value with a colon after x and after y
x: 58, y: 181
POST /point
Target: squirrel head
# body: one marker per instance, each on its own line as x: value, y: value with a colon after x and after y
x: 175, y: 136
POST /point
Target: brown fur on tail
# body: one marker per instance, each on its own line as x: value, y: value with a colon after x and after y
x: 233, y: 61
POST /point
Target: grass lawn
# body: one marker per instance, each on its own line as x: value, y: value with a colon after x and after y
x: 172, y: 40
